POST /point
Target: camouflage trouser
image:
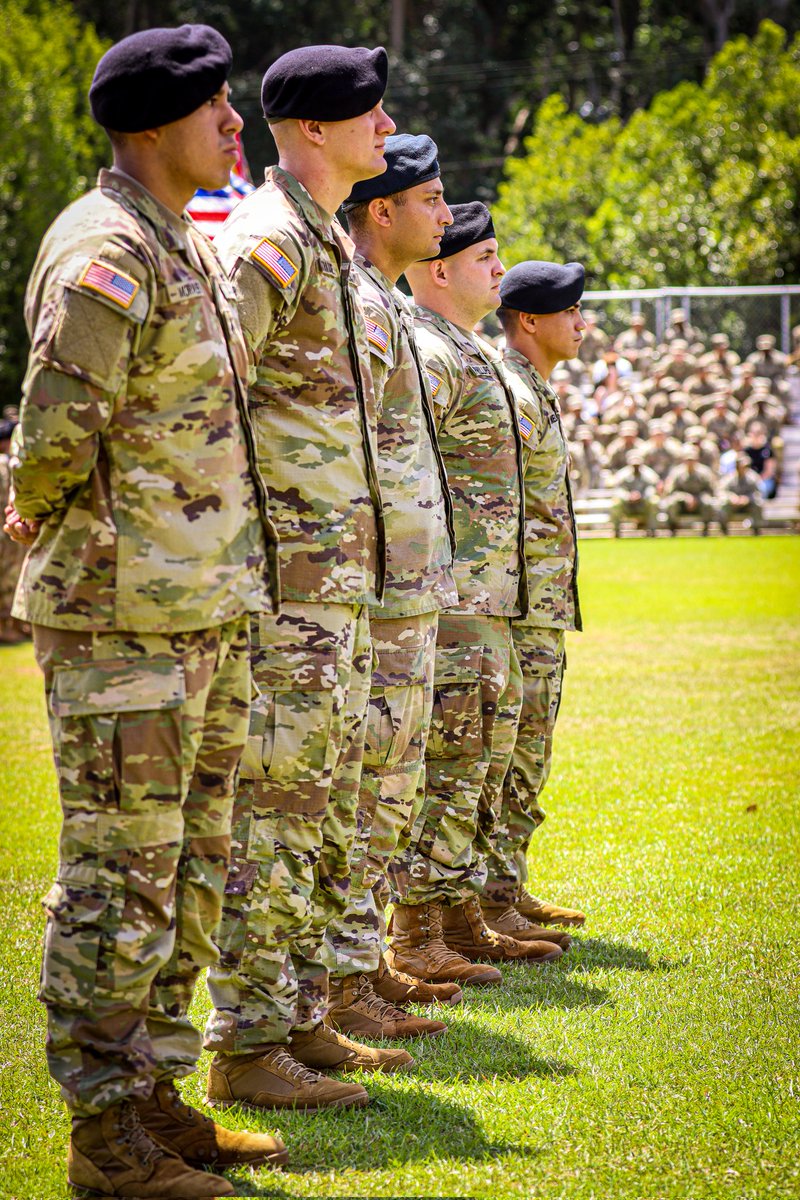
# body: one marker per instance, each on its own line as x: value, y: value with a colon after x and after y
x: 294, y: 823
x: 391, y: 783
x: 542, y: 660
x: 644, y: 510
x: 477, y: 694
x: 148, y: 730
x: 676, y: 506
x: 735, y: 512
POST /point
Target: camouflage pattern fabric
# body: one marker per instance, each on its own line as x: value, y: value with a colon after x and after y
x: 683, y: 487
x: 748, y: 485
x: 635, y: 479
x: 294, y: 823
x: 551, y: 553
x: 135, y: 445
x: 540, y: 651
x: 392, y: 783
x: 148, y: 730
x: 477, y: 694
x: 310, y: 392
x: 481, y: 448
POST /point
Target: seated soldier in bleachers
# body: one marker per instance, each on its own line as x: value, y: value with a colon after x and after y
x: 762, y: 460
x: 679, y: 330
x: 703, y: 404
x: 709, y: 453
x: 595, y: 341
x: 768, y: 362
x: 573, y: 416
x: 679, y: 417
x: 660, y: 402
x: 720, y: 355
x: 635, y: 489
x: 720, y: 422
x: 763, y: 406
x: 689, y: 492
x: 585, y: 461
x: 661, y: 453
x: 626, y: 407
x: 740, y: 496
x: 617, y: 451
x: 743, y: 382
x: 705, y: 381
x: 637, y: 344
x: 679, y: 363
x: 564, y: 388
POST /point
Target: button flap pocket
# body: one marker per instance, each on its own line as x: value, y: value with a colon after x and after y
x: 118, y: 685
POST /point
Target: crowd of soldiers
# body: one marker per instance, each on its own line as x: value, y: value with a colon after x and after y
x: 301, y: 566
x: 681, y: 431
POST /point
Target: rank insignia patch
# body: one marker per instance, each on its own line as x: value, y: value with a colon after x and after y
x: 279, y: 266
x: 435, y: 383
x: 377, y: 335
x: 106, y: 281
x: 525, y: 426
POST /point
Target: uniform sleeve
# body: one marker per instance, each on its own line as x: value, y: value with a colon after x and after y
x: 85, y: 324
x: 268, y: 273
x: 382, y: 337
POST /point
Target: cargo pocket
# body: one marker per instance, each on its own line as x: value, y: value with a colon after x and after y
x: 542, y: 693
x: 457, y: 721
x: 290, y: 721
x: 80, y: 922
x: 119, y: 735
x: 396, y: 709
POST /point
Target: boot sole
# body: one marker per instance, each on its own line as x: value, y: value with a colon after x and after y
x: 312, y: 1106
x: 379, y: 1035
x: 540, y: 920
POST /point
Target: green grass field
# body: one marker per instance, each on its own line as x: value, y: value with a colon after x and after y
x: 660, y: 1058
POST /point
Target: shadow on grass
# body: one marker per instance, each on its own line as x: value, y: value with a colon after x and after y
x: 400, y: 1126
x: 592, y: 954
x: 543, y: 987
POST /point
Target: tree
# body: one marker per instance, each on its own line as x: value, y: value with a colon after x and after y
x: 702, y: 187
x: 50, y: 149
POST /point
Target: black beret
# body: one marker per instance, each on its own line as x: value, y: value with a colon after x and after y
x: 324, y: 83
x: 542, y: 287
x: 472, y: 223
x: 410, y: 159
x: 158, y: 76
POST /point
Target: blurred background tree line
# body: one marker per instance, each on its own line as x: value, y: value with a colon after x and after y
x: 656, y: 140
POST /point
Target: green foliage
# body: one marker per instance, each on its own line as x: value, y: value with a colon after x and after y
x: 660, y: 1059
x: 50, y: 148
x: 702, y: 187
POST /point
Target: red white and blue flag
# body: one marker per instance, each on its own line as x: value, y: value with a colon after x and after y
x: 276, y: 262
x: 525, y: 426
x: 210, y: 209
x: 377, y: 335
x: 114, y: 285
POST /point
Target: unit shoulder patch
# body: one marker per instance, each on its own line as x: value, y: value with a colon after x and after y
x: 110, y: 282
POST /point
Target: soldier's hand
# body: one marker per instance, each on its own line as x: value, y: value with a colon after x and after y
x: 19, y: 530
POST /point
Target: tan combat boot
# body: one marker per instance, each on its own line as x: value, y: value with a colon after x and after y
x: 275, y: 1079
x: 466, y: 931
x: 356, y: 1008
x: 504, y: 918
x: 326, y: 1049
x: 113, y: 1155
x: 399, y: 988
x: 417, y: 946
x: 539, y: 912
x: 199, y: 1140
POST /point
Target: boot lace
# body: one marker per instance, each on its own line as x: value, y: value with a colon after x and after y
x: 135, y: 1136
x: 433, y: 927
x: 374, y: 1005
x: 184, y: 1111
x: 291, y: 1067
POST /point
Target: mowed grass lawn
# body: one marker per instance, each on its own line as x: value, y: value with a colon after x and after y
x: 660, y: 1058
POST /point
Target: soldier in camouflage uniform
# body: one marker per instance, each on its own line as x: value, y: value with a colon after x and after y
x: 137, y: 485
x: 543, y: 324
x: 438, y: 931
x: 635, y: 495
x: 396, y: 219
x: 689, y: 491
x: 311, y: 402
x: 740, y: 496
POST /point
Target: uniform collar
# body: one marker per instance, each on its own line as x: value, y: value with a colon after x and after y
x: 515, y: 356
x: 172, y: 230
x: 462, y: 339
x: 319, y: 220
x: 383, y: 282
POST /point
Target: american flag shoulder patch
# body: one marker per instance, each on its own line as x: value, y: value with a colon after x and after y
x: 525, y: 426
x: 279, y: 265
x: 377, y: 335
x: 109, y: 282
x: 435, y: 383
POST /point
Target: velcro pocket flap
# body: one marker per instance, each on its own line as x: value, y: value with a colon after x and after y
x: 459, y: 664
x: 399, y: 668
x: 294, y: 669
x: 118, y: 685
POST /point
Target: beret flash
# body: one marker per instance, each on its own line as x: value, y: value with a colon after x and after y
x: 158, y: 76
x: 410, y: 159
x: 542, y: 287
x: 324, y: 83
x: 472, y: 223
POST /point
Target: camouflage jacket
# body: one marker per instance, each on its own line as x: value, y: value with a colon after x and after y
x: 135, y: 448
x: 635, y: 479
x: 698, y: 482
x: 311, y: 395
x: 482, y: 452
x: 420, y: 543
x: 551, y: 550
x: 747, y: 484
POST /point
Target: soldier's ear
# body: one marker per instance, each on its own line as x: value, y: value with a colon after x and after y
x: 439, y: 272
x: 380, y: 211
x: 312, y: 131
x: 527, y: 322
